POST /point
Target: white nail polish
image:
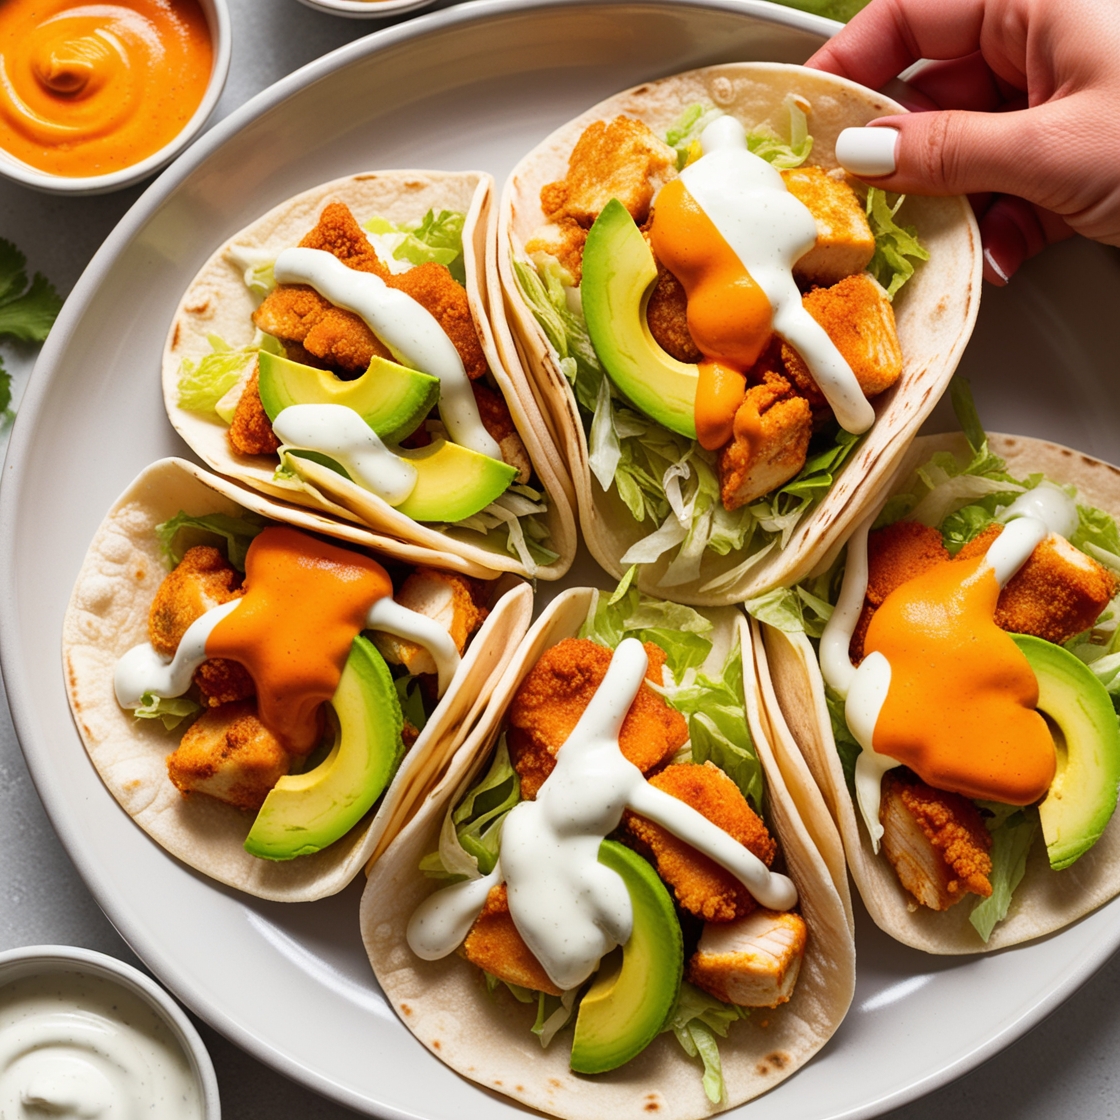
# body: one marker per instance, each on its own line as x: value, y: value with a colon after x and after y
x: 868, y: 152
x: 991, y: 261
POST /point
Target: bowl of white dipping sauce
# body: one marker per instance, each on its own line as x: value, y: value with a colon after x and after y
x: 85, y: 1035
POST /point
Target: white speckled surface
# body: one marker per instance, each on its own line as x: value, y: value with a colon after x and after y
x: 1065, y: 1067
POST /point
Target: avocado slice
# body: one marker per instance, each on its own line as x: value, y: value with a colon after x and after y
x: 392, y: 399
x: 454, y: 482
x: 303, y: 813
x: 1082, y: 795
x: 618, y: 275
x: 636, y: 988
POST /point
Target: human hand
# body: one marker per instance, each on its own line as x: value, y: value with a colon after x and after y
x: 1021, y: 112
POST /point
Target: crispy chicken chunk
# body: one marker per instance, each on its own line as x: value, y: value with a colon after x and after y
x: 771, y: 440
x: 554, y: 695
x: 497, y: 420
x: 1057, y: 593
x: 228, y: 754
x: 339, y: 234
x: 222, y: 681
x: 701, y: 886
x: 563, y: 239
x: 845, y: 244
x: 250, y: 431
x: 667, y: 316
x: 622, y: 159
x: 859, y: 319
x: 447, y: 598
x: 495, y: 945
x: 752, y: 962
x: 936, y: 841
x: 202, y: 580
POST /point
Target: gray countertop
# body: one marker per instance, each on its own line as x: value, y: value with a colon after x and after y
x: 1064, y: 1067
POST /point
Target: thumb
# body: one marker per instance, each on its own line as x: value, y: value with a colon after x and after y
x: 956, y: 152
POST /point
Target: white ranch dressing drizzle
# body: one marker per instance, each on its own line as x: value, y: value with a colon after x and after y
x: 142, y: 669
x: 769, y: 229
x: 1030, y: 519
x: 78, y: 1048
x: 409, y: 330
x: 570, y: 909
x: 338, y: 431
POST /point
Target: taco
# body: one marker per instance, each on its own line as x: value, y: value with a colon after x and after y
x: 272, y: 773
x: 718, y: 991
x: 414, y: 428
x: 980, y: 816
x: 733, y: 340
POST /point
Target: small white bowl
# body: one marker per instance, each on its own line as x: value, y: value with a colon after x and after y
x: 40, y: 960
x: 366, y: 9
x: 217, y: 19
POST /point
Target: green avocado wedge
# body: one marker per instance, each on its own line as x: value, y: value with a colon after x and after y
x: 1082, y: 796
x: 618, y: 274
x: 636, y: 988
x: 454, y: 482
x: 392, y: 399
x: 303, y: 813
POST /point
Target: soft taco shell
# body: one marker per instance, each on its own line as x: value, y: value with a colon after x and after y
x: 218, y: 303
x: 108, y: 615
x: 1045, y: 900
x: 935, y: 314
x: 487, y: 1039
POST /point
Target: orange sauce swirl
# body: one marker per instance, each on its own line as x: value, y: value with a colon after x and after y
x: 305, y: 601
x: 729, y: 315
x: 961, y: 707
x: 88, y: 89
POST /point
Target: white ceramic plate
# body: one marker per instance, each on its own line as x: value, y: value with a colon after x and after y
x: 472, y: 86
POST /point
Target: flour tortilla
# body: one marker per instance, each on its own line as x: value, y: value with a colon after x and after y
x: 1045, y: 900
x: 487, y: 1038
x: 218, y: 303
x: 108, y: 615
x: 935, y: 314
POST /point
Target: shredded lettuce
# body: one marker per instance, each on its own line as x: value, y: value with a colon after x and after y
x: 185, y: 530
x: 553, y: 1014
x: 516, y: 515
x: 896, y: 247
x: 411, y: 700
x: 204, y: 383
x: 172, y: 710
x: 256, y: 268
x: 1012, y: 831
x: 696, y: 1020
x: 436, y: 237
x: 684, y: 135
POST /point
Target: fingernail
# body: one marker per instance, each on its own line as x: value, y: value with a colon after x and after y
x: 868, y: 152
x: 1001, y: 277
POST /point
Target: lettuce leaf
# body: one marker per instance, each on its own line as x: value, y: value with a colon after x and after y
x: 185, y: 530
x: 1012, y: 831
x: 896, y: 247
x: 204, y: 383
x: 171, y: 710
x: 684, y: 135
x: 696, y: 1020
x: 436, y: 237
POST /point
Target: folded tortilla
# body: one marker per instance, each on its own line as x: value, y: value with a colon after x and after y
x: 219, y: 303
x: 487, y: 1038
x: 1045, y: 900
x: 108, y: 615
x: 935, y: 313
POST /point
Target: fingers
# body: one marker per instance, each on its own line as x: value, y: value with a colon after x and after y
x: 1012, y: 230
x: 960, y: 83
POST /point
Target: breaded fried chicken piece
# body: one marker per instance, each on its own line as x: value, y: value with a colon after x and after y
x: 936, y: 841
x: 202, y: 580
x: 497, y: 420
x: 563, y: 239
x: 895, y: 554
x: 250, y: 431
x: 845, y: 244
x: 624, y: 159
x: 221, y: 681
x: 752, y: 962
x: 859, y: 319
x: 701, y: 886
x: 1057, y: 593
x: 553, y: 696
x: 447, y: 598
x: 495, y: 945
x: 667, y: 316
x: 769, y: 445
x: 228, y: 754
x: 339, y: 234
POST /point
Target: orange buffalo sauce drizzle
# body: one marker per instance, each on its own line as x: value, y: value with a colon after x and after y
x: 305, y: 601
x: 960, y: 710
x: 86, y: 89
x: 728, y: 313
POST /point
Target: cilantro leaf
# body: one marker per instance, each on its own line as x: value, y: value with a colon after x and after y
x: 27, y: 315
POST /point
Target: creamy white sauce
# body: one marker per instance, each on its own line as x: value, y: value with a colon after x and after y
x: 570, y: 909
x: 77, y: 1047
x: 769, y: 229
x: 338, y: 431
x: 389, y: 616
x: 409, y: 330
x: 864, y: 689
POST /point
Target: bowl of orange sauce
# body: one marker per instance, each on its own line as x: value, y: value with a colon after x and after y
x: 98, y: 94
